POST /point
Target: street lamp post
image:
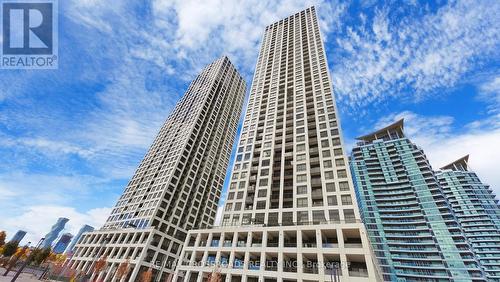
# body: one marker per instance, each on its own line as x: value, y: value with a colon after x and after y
x: 28, y: 259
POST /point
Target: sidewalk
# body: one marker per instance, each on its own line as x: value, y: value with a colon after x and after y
x: 24, y: 277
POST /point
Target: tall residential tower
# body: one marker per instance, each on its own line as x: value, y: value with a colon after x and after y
x: 478, y: 212
x: 85, y: 228
x: 178, y: 184
x: 417, y: 235
x: 54, y: 232
x: 290, y: 213
x: 18, y: 237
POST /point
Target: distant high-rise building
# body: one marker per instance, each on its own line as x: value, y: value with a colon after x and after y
x: 414, y: 231
x: 85, y: 228
x: 62, y: 243
x: 478, y: 212
x: 290, y: 213
x: 18, y: 237
x: 178, y: 184
x: 54, y: 232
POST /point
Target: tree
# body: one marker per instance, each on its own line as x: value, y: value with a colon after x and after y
x: 100, y: 265
x: 123, y: 269
x: 169, y: 278
x: 215, y: 276
x: 147, y: 276
x: 34, y: 254
x: 10, y: 248
x: 41, y: 255
x: 3, y: 235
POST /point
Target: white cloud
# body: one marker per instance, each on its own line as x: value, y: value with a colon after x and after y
x: 38, y: 219
x: 443, y: 144
x: 489, y: 91
x: 412, y: 57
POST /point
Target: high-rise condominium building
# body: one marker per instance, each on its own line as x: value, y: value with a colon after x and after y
x: 177, y: 186
x: 478, y: 212
x: 416, y: 234
x: 290, y: 213
x: 18, y: 237
x: 85, y: 228
x: 62, y: 243
x: 54, y: 232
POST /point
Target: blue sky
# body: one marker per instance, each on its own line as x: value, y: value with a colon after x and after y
x: 71, y: 138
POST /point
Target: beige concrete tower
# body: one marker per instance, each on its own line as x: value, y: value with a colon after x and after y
x: 291, y: 212
x: 178, y: 184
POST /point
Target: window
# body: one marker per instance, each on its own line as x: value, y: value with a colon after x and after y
x: 301, y: 157
x: 301, y: 148
x: 302, y: 216
x: 240, y: 195
x: 229, y: 206
x: 326, y: 153
x: 330, y: 187
x: 327, y: 164
x: 344, y: 186
x: 236, y: 219
x: 342, y: 173
x: 237, y: 207
x: 301, y: 189
x: 261, y: 205
x: 318, y: 216
x: 301, y: 178
x: 329, y: 175
x: 246, y: 219
x: 337, y: 152
x: 332, y: 200
x: 346, y: 199
x: 339, y: 162
x: 349, y: 216
x: 302, y: 202
x: 263, y: 182
x: 301, y: 167
x: 230, y: 196
x: 262, y: 193
x: 334, y: 215
x: 225, y: 221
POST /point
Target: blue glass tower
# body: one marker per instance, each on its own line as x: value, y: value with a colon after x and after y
x: 63, y: 243
x: 54, y: 232
x: 412, y: 228
x: 71, y: 246
x: 478, y: 212
x: 18, y: 237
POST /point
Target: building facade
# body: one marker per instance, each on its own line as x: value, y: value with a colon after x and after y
x: 54, y: 232
x: 18, y: 237
x: 290, y: 213
x: 85, y: 228
x: 62, y: 243
x: 477, y: 211
x: 177, y: 186
x: 413, y: 229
